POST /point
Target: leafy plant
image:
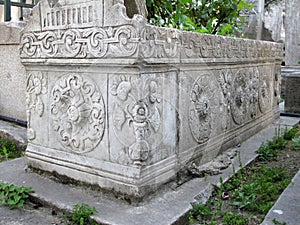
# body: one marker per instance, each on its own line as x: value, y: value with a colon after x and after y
x: 290, y: 134
x: 261, y: 189
x: 270, y: 150
x: 14, y: 196
x: 296, y: 142
x: 200, y: 212
x: 276, y: 222
x: 234, y: 219
x: 266, y: 153
x: 8, y: 150
x: 81, y: 215
x: 205, y: 16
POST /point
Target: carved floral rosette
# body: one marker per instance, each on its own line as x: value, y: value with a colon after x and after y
x: 78, y: 113
x: 36, y: 85
x: 205, y: 103
x: 136, y: 111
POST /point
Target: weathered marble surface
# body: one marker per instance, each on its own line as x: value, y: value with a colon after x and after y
x: 12, y: 73
x: 292, y: 35
x: 116, y: 102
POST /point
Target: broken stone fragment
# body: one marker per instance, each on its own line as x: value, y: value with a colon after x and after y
x: 214, y: 167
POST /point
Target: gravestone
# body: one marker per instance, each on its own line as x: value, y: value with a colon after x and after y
x: 136, y: 7
x: 115, y: 102
x: 292, y: 36
x: 292, y: 92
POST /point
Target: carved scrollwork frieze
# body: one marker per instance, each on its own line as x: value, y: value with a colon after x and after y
x: 80, y: 43
x: 140, y: 40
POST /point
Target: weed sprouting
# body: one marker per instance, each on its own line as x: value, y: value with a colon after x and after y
x: 8, y: 150
x: 14, y: 196
x: 261, y: 189
x: 252, y: 190
x: 269, y: 151
x: 81, y: 215
x: 290, y: 134
x: 276, y: 222
x: 296, y: 142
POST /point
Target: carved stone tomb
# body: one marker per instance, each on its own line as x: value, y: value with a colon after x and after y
x: 124, y: 105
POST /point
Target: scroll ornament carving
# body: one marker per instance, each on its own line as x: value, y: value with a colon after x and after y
x: 141, y: 115
x: 205, y: 46
x: 78, y: 113
x: 204, y: 101
x: 160, y: 42
x: 35, y: 87
x: 81, y: 43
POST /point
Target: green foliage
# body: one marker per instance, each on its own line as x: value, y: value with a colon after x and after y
x: 14, y: 196
x: 290, y: 134
x: 201, y: 212
x: 266, y: 153
x: 234, y: 219
x: 81, y: 215
x: 270, y: 150
x: 205, y: 16
x: 259, y: 191
x: 8, y: 150
x: 277, y: 222
x: 296, y: 142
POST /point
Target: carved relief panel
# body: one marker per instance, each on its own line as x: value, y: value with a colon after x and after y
x: 78, y: 112
x: 36, y: 88
x: 137, y: 111
x: 265, y: 90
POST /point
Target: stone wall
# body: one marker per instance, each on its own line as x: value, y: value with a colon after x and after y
x: 12, y: 73
x: 115, y: 102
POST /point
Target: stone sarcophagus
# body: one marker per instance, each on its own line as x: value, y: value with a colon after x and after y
x: 124, y: 105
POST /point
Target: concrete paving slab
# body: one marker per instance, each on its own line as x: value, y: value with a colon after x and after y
x: 168, y: 206
x: 24, y: 216
x: 287, y: 121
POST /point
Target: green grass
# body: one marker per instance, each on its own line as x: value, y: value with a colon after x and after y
x: 251, y: 191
